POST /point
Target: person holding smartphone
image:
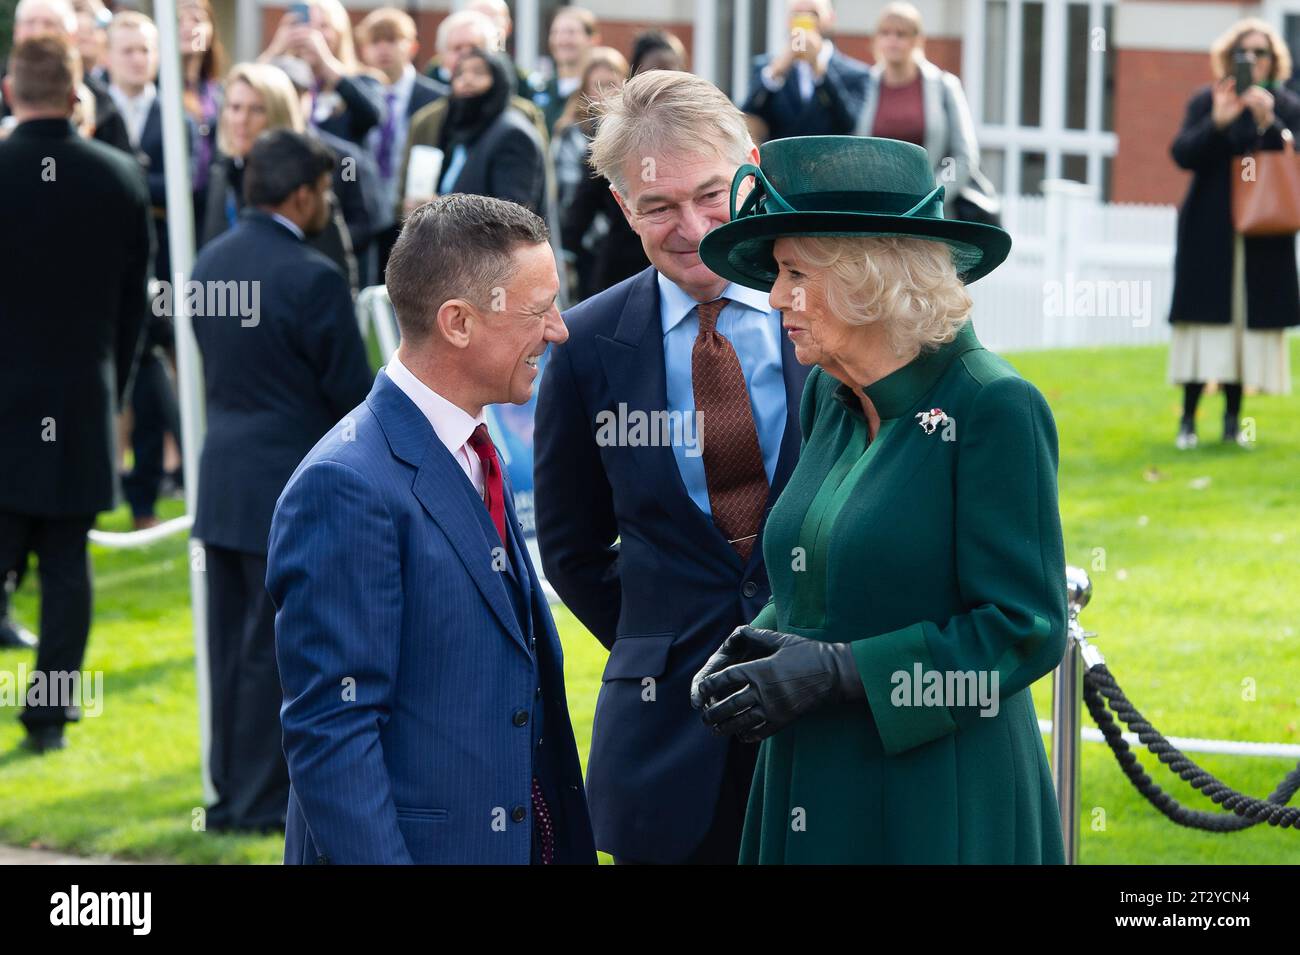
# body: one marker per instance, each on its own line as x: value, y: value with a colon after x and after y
x: 1233, y: 295
x: 347, y: 102
x: 810, y: 88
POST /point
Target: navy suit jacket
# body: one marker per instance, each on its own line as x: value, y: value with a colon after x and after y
x: 150, y: 156
x: 275, y: 385
x: 833, y: 109
x: 423, y: 678
x: 424, y: 91
x: 665, y: 596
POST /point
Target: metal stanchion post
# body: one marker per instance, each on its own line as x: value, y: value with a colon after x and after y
x: 1067, y: 692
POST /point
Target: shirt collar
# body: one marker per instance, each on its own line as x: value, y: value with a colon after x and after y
x: 676, y: 304
x: 823, y: 56
x: 900, y: 391
x: 452, y: 424
x: 288, y: 224
x: 146, y: 95
x: 825, y: 53
x: 405, y: 83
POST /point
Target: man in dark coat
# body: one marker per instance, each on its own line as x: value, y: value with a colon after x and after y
x: 283, y: 361
x: 74, y: 259
x: 811, y: 88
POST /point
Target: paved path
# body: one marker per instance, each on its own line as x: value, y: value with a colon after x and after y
x: 12, y: 855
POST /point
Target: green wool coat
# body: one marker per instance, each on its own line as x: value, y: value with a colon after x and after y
x: 936, y: 556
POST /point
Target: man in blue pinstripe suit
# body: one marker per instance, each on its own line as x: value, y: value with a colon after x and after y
x: 424, y: 711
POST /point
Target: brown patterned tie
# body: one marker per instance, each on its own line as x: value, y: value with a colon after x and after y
x: 733, y: 460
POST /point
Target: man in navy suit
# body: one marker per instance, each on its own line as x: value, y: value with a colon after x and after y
x: 132, y: 57
x: 387, y: 42
x: 424, y: 710
x: 810, y: 88
x: 282, y: 361
x: 649, y: 534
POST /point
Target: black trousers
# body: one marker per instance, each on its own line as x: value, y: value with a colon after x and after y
x: 59, y: 544
x: 721, y: 845
x: 155, y: 412
x: 247, y: 755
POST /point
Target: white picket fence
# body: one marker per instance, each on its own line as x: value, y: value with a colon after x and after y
x: 1081, y: 272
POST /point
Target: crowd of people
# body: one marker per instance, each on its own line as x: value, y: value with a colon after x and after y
x: 325, y: 166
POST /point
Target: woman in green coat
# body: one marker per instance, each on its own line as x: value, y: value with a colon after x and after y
x: 916, y: 560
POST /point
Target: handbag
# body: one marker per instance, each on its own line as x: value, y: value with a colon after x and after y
x: 1267, y: 203
x: 978, y: 201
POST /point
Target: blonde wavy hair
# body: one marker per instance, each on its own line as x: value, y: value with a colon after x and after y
x: 1221, y: 50
x: 909, y: 284
x: 279, y: 99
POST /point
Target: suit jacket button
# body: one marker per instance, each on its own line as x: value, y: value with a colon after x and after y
x: 750, y: 589
x: 521, y: 717
x: 518, y: 814
x: 322, y: 860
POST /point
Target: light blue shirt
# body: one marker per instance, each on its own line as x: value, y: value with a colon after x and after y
x: 754, y: 330
x: 454, y: 165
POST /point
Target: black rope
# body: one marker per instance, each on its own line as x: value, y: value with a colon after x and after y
x: 1246, y: 810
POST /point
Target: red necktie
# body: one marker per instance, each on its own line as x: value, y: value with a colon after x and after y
x: 494, y: 498
x: 493, y: 490
x: 733, y: 460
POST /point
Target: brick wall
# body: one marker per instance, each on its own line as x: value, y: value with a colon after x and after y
x: 1151, y: 92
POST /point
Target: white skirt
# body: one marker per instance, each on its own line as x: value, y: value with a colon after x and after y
x: 1230, y: 354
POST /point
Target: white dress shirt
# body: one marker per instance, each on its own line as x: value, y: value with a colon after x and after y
x: 803, y: 71
x: 452, y: 424
x: 401, y: 93
x: 134, y: 109
x: 290, y: 225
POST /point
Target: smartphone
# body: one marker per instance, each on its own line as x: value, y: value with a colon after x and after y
x: 300, y: 12
x: 805, y: 22
x: 1243, y: 70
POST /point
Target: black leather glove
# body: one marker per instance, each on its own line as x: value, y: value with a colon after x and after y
x: 782, y: 677
x: 745, y: 644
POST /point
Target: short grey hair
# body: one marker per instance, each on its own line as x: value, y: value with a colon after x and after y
x: 665, y: 111
x: 61, y: 8
x: 492, y: 39
x: 456, y: 246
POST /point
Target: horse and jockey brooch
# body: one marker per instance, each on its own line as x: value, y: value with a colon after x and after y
x: 930, y: 420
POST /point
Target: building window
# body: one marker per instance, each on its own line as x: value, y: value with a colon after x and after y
x: 1044, y: 102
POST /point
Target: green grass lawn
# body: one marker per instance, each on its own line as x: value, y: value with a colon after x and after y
x: 1195, y: 560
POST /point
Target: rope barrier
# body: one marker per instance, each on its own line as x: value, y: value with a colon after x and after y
x: 1100, y: 689
x: 126, y: 540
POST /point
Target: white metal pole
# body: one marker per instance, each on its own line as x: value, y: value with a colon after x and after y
x: 704, y: 41
x: 180, y: 233
x: 527, y: 32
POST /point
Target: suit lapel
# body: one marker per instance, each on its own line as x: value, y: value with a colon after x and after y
x: 634, y: 365
x: 446, y: 494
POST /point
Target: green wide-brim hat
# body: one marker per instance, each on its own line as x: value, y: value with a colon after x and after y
x: 858, y: 186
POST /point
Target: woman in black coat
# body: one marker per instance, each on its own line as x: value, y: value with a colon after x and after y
x: 491, y: 149
x: 1233, y: 296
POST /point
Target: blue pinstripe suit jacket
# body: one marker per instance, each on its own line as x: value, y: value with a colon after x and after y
x: 411, y: 685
